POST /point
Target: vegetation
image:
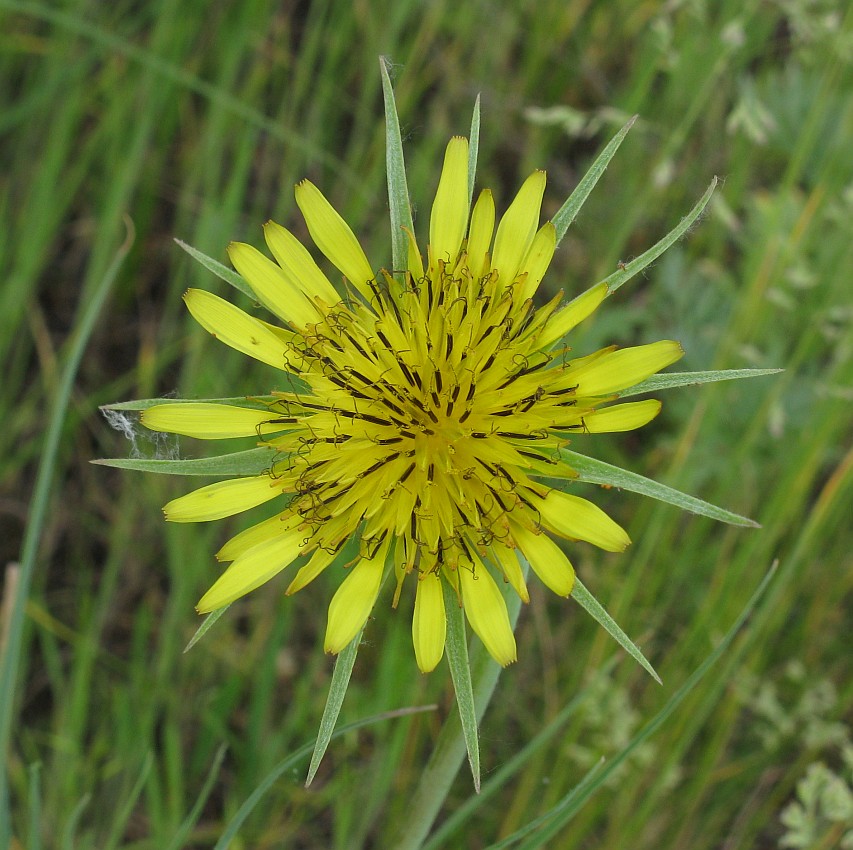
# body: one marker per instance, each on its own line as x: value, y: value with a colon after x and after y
x: 129, y: 124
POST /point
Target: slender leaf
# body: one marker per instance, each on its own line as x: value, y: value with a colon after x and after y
x: 568, y: 212
x: 460, y: 673
x: 473, y: 149
x: 337, y: 691
x: 598, y: 472
x: 208, y: 621
x: 398, y: 190
x: 249, y: 462
x: 595, y: 609
x: 685, y: 379
x: 222, y: 272
x: 627, y: 270
x: 571, y: 803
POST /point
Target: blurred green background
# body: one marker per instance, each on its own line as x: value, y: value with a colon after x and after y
x: 194, y: 120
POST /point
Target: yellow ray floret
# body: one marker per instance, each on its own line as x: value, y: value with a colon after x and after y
x: 429, y: 624
x: 353, y: 601
x: 222, y: 499
x: 487, y: 613
x: 450, y: 209
x: 207, y: 421
x: 333, y: 236
x: 231, y: 325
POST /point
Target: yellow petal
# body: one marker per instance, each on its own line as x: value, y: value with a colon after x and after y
x: 549, y: 562
x: 486, y: 612
x: 450, y: 208
x: 318, y: 562
x: 537, y: 260
x: 507, y: 560
x: 572, y: 315
x: 480, y: 233
x: 252, y: 569
x: 579, y: 519
x: 207, y: 421
x: 429, y: 624
x: 621, y: 417
x: 298, y: 264
x: 275, y: 290
x: 222, y: 499
x: 622, y: 368
x: 354, y: 600
x: 231, y: 325
x: 517, y: 227
x: 333, y: 237
x: 267, y: 530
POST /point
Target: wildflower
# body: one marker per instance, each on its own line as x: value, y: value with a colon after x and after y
x: 431, y: 404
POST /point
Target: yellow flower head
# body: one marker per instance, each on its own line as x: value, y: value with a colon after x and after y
x: 434, y: 402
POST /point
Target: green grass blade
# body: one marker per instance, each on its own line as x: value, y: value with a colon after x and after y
x: 460, y: 672
x: 248, y: 462
x: 596, y: 610
x: 221, y: 271
x: 203, y: 629
x: 568, y: 212
x: 125, y: 812
x: 114, y: 44
x: 562, y: 813
x: 627, y: 270
x: 598, y: 472
x: 35, y: 806
x: 68, y: 842
x: 334, y: 701
x: 38, y: 512
x: 687, y: 379
x: 398, y: 189
x: 473, y: 149
x: 189, y: 822
x: 292, y: 760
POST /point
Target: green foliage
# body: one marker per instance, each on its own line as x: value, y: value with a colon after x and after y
x: 196, y: 120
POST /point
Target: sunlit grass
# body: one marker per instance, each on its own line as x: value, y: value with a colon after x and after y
x: 197, y: 122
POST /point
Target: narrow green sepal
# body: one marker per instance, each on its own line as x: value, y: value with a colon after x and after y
x: 259, y: 402
x: 202, y: 630
x: 460, y: 673
x: 337, y: 691
x: 666, y: 380
x: 249, y: 462
x: 595, y: 609
x: 222, y: 272
x: 473, y: 149
x: 627, y: 270
x: 598, y: 472
x: 398, y: 191
x: 568, y: 212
